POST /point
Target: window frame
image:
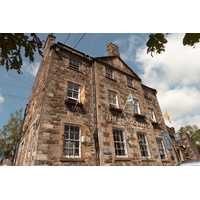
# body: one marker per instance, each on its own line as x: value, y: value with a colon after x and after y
x: 137, y: 111
x: 130, y: 82
x: 73, y: 141
x: 120, y: 145
x: 144, y: 147
x: 73, y: 91
x: 152, y: 115
x: 161, y: 148
x: 74, y: 64
x: 112, y: 98
x: 109, y: 73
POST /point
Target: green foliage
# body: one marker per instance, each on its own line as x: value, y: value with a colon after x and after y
x: 157, y: 41
x: 11, y: 45
x: 193, y: 131
x: 10, y: 135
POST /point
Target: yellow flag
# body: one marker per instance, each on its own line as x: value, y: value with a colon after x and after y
x: 167, y: 117
x: 83, y: 94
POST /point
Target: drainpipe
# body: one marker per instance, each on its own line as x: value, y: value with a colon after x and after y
x: 95, y: 134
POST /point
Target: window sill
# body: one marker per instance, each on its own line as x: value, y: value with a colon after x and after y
x: 147, y: 159
x: 73, y: 102
x: 122, y: 159
x: 73, y: 68
x: 139, y: 115
x: 154, y: 123
x: 165, y: 161
x: 111, y: 79
x: 115, y: 109
x: 132, y: 87
x: 72, y: 160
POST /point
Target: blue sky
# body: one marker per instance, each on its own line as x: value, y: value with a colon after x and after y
x: 175, y: 73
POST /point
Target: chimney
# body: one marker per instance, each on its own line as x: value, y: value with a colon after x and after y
x: 113, y: 50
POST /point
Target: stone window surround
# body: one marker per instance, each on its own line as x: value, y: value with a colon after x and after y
x: 144, y: 145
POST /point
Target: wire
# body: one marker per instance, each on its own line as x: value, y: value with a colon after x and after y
x: 15, y: 85
x: 11, y: 96
x: 80, y: 40
x: 76, y: 38
x: 67, y: 38
x: 15, y: 77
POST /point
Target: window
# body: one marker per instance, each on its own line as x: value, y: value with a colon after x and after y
x: 152, y: 115
x: 72, y: 143
x: 161, y: 148
x: 130, y: 82
x: 119, y: 143
x: 146, y: 94
x: 113, y: 99
x: 136, y: 108
x: 74, y: 64
x: 109, y: 73
x: 143, y: 145
x: 73, y: 91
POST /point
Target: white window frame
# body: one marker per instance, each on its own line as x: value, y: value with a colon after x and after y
x: 161, y: 148
x: 70, y: 141
x: 143, y: 143
x: 109, y: 73
x: 137, y: 106
x: 119, y: 143
x: 152, y: 115
x: 111, y: 98
x: 74, y: 64
x: 73, y: 91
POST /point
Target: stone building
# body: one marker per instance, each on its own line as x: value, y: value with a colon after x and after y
x: 119, y: 122
x: 185, y: 148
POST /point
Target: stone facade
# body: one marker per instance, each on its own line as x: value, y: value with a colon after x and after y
x: 110, y: 131
x: 186, y: 148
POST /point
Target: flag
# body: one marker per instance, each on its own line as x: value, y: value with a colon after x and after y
x: 83, y: 94
x: 130, y: 99
x: 167, y: 117
x: 168, y: 142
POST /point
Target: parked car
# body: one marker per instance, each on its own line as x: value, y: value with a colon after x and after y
x: 190, y: 163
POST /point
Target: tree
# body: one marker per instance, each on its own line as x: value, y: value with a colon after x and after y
x: 10, y: 135
x: 194, y: 133
x: 11, y: 45
x: 157, y: 41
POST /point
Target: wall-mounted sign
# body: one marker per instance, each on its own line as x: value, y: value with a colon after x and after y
x: 177, y: 137
x: 125, y: 121
x: 106, y: 151
x: 167, y: 141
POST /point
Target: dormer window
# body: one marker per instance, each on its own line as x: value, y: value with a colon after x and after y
x: 109, y: 73
x: 74, y: 64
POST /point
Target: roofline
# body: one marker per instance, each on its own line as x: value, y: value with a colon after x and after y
x: 121, y: 61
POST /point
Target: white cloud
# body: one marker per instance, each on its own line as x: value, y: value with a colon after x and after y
x: 175, y: 75
x: 1, y: 99
x: 31, y: 68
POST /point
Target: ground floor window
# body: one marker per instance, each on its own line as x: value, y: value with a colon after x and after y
x: 72, y: 143
x: 144, y: 148
x: 119, y: 143
x: 161, y: 148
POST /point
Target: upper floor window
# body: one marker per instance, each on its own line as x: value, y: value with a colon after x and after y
x: 119, y: 143
x: 144, y: 148
x: 161, y: 148
x: 146, y: 94
x: 130, y: 82
x: 72, y: 141
x: 74, y: 64
x: 152, y: 115
x: 73, y: 91
x: 113, y: 101
x: 136, y: 107
x: 109, y: 73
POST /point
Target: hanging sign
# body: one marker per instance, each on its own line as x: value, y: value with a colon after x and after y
x: 177, y: 137
x: 167, y: 141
